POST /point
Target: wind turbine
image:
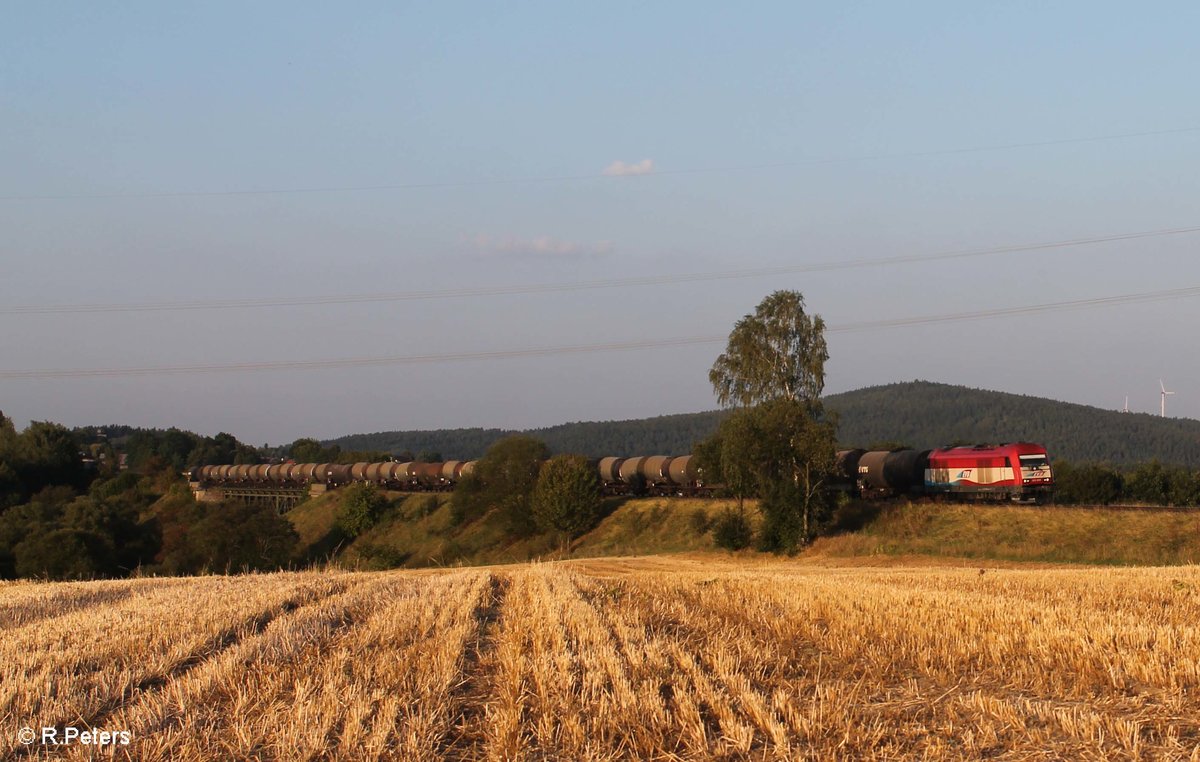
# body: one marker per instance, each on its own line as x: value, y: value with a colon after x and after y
x: 1164, y: 397
x: 1126, y: 410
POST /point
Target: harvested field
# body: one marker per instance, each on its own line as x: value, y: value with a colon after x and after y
x: 623, y: 659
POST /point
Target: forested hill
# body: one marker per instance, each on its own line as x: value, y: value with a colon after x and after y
x: 923, y: 414
x: 672, y: 434
x: 918, y: 414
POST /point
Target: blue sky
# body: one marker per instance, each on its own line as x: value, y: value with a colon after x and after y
x: 143, y: 146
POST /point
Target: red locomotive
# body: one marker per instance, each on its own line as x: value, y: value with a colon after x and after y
x: 1017, y: 471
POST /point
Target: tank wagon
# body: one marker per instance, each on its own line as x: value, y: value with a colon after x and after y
x: 1018, y: 471
x: 651, y: 474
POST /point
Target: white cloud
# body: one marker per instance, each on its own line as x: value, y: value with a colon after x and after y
x: 643, y: 167
x: 542, y: 245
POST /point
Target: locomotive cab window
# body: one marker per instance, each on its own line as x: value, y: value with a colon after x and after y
x: 1035, y: 468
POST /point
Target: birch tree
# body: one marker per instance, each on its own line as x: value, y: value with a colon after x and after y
x: 772, y: 373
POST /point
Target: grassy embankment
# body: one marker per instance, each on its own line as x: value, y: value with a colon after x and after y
x: 417, y: 531
x: 1149, y: 537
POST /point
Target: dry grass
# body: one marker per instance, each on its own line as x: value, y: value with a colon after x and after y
x: 624, y: 659
x: 1059, y: 534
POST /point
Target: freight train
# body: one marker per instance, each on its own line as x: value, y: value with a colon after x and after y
x: 1019, y: 471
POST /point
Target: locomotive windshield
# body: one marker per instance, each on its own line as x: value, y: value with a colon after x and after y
x: 1035, y: 463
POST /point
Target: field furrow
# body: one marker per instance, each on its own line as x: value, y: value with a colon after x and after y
x: 22, y: 604
x: 628, y: 660
x: 81, y: 667
x: 472, y: 698
x: 813, y: 645
x: 364, y: 674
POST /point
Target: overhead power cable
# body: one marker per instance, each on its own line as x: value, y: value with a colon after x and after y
x: 598, y: 176
x: 1076, y: 304
x: 547, y: 288
x: 427, y: 359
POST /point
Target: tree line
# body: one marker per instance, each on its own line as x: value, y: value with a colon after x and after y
x: 1152, y: 483
x: 668, y: 434
x: 68, y: 510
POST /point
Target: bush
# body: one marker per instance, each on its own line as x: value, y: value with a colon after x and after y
x: 469, y: 501
x: 732, y: 531
x: 1086, y: 484
x: 699, y: 521
x: 65, y: 554
x: 782, y: 529
x: 377, y: 556
x: 566, y: 497
x: 1148, y: 483
x: 238, y: 537
x: 362, y: 505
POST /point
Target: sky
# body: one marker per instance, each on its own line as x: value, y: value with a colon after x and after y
x: 508, y: 180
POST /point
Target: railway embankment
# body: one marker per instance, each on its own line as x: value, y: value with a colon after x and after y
x: 419, y: 531
x: 1125, y: 536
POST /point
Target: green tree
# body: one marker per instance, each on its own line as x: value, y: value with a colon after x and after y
x: 780, y: 451
x: 732, y: 530
x: 773, y: 371
x: 172, y: 446
x: 1086, y: 484
x: 362, y: 506
x: 708, y: 458
x: 734, y: 436
x: 307, y: 450
x: 176, y: 515
x: 1184, y: 487
x: 65, y: 554
x: 48, y: 454
x: 779, y: 352
x: 23, y: 522
x: 469, y: 501
x: 237, y: 536
x: 117, y: 519
x: 10, y: 485
x: 566, y: 498
x: 104, y: 526
x: 10, y: 481
x: 357, y: 456
x: 1149, y: 483
x: 503, y: 480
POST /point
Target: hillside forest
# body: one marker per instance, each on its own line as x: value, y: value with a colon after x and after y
x: 918, y: 414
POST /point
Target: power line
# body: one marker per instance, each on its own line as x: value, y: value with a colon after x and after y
x: 545, y: 288
x: 599, y: 176
x: 1101, y: 301
x: 426, y: 359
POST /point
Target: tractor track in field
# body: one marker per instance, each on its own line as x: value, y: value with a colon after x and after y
x: 471, y: 696
x: 221, y: 643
